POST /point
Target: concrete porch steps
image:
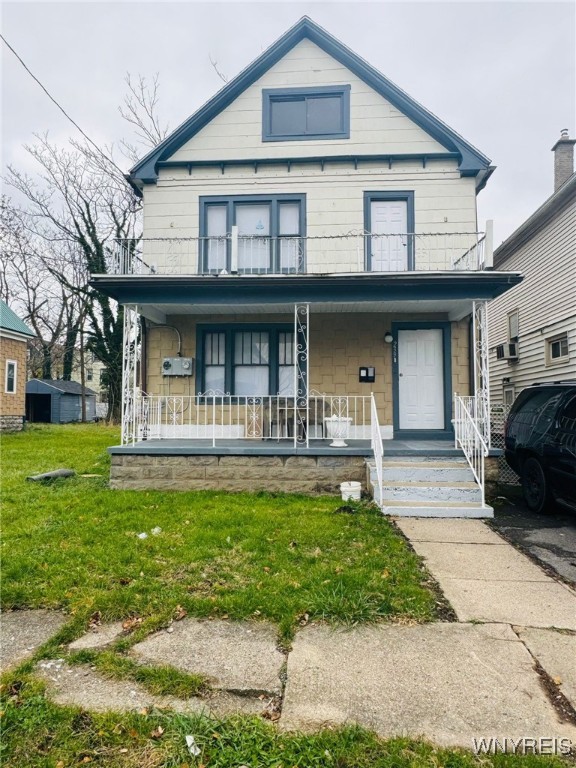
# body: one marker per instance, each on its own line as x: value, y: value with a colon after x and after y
x: 424, y: 486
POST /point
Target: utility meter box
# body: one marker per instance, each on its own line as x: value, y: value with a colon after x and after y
x: 178, y: 366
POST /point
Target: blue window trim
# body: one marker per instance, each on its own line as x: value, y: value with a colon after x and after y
x: 446, y: 328
x: 406, y: 196
x: 274, y: 329
x: 270, y: 95
x: 231, y: 201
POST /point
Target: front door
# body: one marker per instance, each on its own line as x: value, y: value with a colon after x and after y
x: 389, y: 243
x: 420, y: 379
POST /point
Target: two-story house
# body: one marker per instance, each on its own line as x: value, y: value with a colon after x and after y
x: 311, y: 284
x: 533, y: 326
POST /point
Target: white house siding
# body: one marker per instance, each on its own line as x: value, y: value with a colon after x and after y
x: 376, y: 127
x: 546, y: 301
x: 443, y: 202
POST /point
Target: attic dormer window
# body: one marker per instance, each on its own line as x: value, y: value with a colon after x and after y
x: 290, y: 114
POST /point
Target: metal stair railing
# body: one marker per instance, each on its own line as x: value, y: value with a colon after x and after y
x: 377, y: 447
x: 469, y: 438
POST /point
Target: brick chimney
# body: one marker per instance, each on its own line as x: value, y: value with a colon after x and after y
x: 563, y: 158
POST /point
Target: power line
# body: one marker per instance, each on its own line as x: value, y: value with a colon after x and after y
x: 53, y: 100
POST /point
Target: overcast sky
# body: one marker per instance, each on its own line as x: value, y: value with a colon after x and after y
x: 502, y: 74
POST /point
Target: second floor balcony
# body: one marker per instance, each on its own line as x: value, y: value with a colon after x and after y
x: 351, y: 253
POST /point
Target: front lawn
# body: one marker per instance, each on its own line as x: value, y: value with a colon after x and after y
x: 289, y: 559
x: 74, y: 543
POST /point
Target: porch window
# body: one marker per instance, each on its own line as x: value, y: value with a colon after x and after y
x: 290, y: 114
x: 251, y: 363
x: 389, y: 225
x: 247, y: 361
x: 270, y: 232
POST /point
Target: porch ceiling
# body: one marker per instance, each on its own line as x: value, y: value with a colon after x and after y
x: 453, y: 310
x: 450, y: 293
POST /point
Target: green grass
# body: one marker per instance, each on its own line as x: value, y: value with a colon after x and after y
x: 160, y: 681
x: 39, y: 734
x: 74, y: 543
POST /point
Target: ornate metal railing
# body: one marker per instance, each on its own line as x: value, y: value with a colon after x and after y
x: 350, y: 252
x: 377, y: 448
x: 469, y: 438
x: 217, y: 416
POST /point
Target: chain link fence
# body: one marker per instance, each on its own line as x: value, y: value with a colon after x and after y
x: 498, y: 414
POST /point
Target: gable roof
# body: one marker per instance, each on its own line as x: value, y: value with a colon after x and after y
x: 549, y: 209
x: 66, y: 387
x: 472, y: 161
x: 9, y: 321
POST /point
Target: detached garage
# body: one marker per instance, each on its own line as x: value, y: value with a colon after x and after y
x: 58, y: 402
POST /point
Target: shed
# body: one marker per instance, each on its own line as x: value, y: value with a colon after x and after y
x: 58, y: 402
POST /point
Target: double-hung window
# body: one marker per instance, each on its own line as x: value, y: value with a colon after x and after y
x: 246, y: 361
x: 10, y: 377
x: 320, y: 112
x: 557, y: 350
x: 270, y: 231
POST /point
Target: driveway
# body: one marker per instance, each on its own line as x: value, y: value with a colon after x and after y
x: 550, y: 538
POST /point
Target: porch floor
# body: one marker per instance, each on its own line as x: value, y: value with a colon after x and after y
x: 241, y: 447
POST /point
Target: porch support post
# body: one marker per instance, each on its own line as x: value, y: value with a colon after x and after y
x: 481, y: 372
x: 301, y: 370
x: 129, y: 374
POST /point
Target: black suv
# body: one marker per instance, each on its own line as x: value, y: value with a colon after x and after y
x: 540, y: 442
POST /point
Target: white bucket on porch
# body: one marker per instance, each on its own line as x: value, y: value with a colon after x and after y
x: 351, y: 491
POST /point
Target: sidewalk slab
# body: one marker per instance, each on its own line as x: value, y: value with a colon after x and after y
x: 556, y: 652
x: 23, y: 632
x: 98, y: 637
x: 234, y: 656
x: 522, y: 603
x: 448, y: 683
x: 451, y: 531
x: 82, y: 686
x: 484, y: 562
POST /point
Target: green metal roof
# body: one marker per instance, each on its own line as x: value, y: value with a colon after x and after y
x: 9, y: 321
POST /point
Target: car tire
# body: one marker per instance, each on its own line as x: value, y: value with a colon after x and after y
x: 535, y: 486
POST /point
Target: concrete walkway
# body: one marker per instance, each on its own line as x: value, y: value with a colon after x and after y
x: 506, y: 668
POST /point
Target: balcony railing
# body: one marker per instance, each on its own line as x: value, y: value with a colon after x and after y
x: 336, y: 254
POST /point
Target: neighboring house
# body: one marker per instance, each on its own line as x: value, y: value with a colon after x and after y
x: 533, y: 326
x: 311, y: 272
x: 55, y: 401
x: 14, y: 337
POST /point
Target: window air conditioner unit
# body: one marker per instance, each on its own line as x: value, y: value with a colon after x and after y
x: 507, y: 351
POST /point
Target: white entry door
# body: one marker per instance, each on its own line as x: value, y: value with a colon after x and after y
x: 389, y: 244
x: 421, y: 379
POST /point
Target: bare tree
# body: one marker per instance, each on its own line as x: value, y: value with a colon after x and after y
x: 80, y: 199
x: 73, y: 211
x: 43, y: 302
x: 140, y: 110
x: 214, y: 64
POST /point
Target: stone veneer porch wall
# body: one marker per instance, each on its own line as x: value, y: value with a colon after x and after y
x: 290, y: 474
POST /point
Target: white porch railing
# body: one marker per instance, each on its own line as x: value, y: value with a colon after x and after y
x: 351, y: 252
x: 215, y: 416
x: 377, y: 448
x: 469, y: 438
